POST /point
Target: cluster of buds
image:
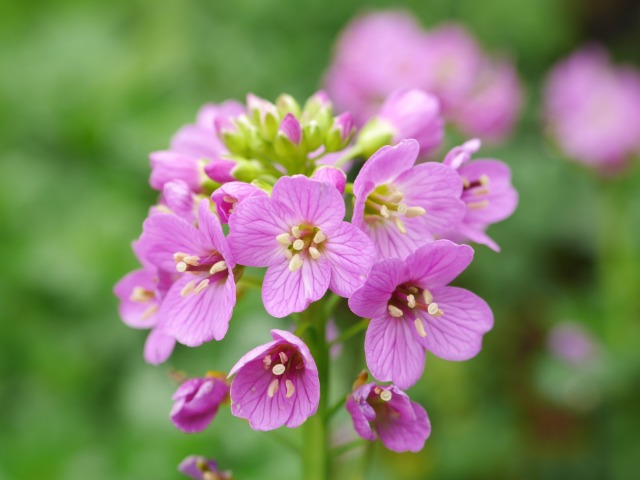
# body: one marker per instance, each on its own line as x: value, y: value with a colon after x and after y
x: 276, y: 175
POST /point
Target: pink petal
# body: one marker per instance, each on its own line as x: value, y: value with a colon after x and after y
x: 406, y: 433
x: 438, y: 263
x: 285, y: 292
x: 393, y: 352
x: 457, y: 335
x: 387, y: 163
x: 351, y: 254
x: 307, y: 397
x: 313, y: 202
x: 370, y: 300
x: 134, y: 314
x: 158, y: 347
x: 391, y: 242
x: 210, y: 227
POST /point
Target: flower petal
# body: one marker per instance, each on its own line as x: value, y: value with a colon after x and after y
x: 405, y: 433
x: 210, y: 227
x: 438, y: 263
x: 158, y: 347
x: 387, y: 163
x: 370, y: 300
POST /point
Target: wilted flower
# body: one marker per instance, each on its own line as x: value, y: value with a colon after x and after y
x: 276, y: 383
x: 388, y: 413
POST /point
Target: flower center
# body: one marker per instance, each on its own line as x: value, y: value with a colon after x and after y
x: 302, y: 243
x: 213, y: 265
x: 142, y: 295
x: 476, y: 188
x: 284, y: 362
x: 386, y: 203
x: 406, y: 299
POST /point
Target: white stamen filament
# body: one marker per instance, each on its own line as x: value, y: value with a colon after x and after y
x: 220, y: 266
x: 411, y: 301
x: 295, y: 231
x: 415, y: 212
x: 298, y: 244
x: 478, y: 205
x: 394, y: 311
x: 432, y: 308
x: 201, y: 286
x: 290, y: 389
x: 386, y: 395
x: 420, y: 327
x: 273, y: 388
x: 428, y: 297
x: 278, y: 369
x: 400, y: 225
x: 283, y: 357
x: 188, y: 288
x: 319, y: 237
x: 181, y: 267
x: 384, y: 211
x: 295, y: 263
x: 284, y: 239
x: 314, y: 252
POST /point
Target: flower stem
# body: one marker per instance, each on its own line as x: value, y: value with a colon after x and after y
x: 351, y: 331
x: 315, y: 448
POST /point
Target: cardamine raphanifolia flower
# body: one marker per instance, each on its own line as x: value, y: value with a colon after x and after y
x: 276, y: 383
x: 402, y: 206
x: 192, y: 148
x: 487, y: 192
x: 381, y: 52
x: 202, y: 468
x: 412, y: 310
x: 230, y: 194
x: 386, y: 412
x: 406, y: 113
x: 196, y: 402
x: 300, y: 235
x: 198, y: 306
x: 571, y: 342
x: 592, y: 110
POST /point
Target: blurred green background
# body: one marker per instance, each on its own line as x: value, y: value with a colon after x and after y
x: 89, y: 88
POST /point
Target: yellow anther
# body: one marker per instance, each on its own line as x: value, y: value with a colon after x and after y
x: 141, y: 295
x: 465, y: 182
x: 273, y: 388
x: 478, y: 205
x: 411, y: 301
x: 377, y: 390
x: 415, y: 212
x: 319, y: 237
x: 298, y: 244
x: 484, y: 179
x: 228, y: 199
x: 428, y: 298
x: 394, y: 311
x: 284, y: 239
x: 283, y: 357
x: 201, y: 286
x: 148, y: 312
x: 396, y: 197
x: 191, y: 260
x: 266, y: 361
x: 188, y: 288
x: 295, y: 263
x: 481, y: 191
x: 295, y: 231
x: 290, y: 389
x: 314, y: 252
x: 220, y: 266
x: 420, y: 327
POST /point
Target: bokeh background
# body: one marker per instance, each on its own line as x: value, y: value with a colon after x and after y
x: 89, y: 88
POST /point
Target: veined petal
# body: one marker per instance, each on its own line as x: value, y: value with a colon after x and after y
x: 477, y: 234
x: 307, y: 397
x: 351, y: 254
x: 457, y: 334
x: 388, y: 163
x: 136, y: 314
x: 391, y: 242
x: 406, y: 432
x: 370, y: 300
x: 438, y: 263
x: 198, y: 317
x: 360, y: 422
x: 393, y: 352
x: 167, y: 166
x: 285, y: 292
x: 158, y: 347
x: 209, y: 225
x: 254, y: 227
x: 253, y: 354
x: 288, y: 337
x: 312, y: 201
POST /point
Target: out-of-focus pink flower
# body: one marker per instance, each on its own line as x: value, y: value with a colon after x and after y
x: 592, y: 109
x: 196, y: 402
x: 571, y: 342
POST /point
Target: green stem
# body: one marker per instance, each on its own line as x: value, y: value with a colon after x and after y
x: 315, y: 449
x: 336, y: 408
x: 351, y: 331
x: 345, y: 447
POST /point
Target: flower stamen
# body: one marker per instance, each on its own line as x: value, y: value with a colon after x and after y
x: 273, y: 388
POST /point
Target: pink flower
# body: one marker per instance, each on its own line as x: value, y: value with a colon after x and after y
x: 571, y: 342
x: 487, y: 193
x: 196, y: 402
x: 199, y: 304
x: 415, y: 114
x: 229, y: 195
x: 192, y: 147
x: 298, y: 233
x: 388, y: 413
x: 201, y: 468
x: 332, y: 175
x: 412, y: 310
x: 592, y: 110
x: 402, y: 206
x: 276, y: 384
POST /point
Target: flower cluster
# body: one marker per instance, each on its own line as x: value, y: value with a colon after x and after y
x: 383, y: 51
x: 592, y: 110
x: 265, y: 185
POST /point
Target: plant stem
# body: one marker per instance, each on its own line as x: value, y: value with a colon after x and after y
x: 351, y: 331
x: 315, y: 448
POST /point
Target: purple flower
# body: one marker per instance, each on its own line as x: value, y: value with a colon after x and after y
x: 412, y: 309
x: 570, y: 341
x: 333, y: 175
x: 592, y: 110
x: 298, y: 233
x: 229, y: 195
x: 199, y: 304
x: 196, y: 402
x: 402, y: 206
x: 487, y: 193
x: 415, y: 114
x: 276, y: 383
x: 388, y: 413
x: 201, y: 468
